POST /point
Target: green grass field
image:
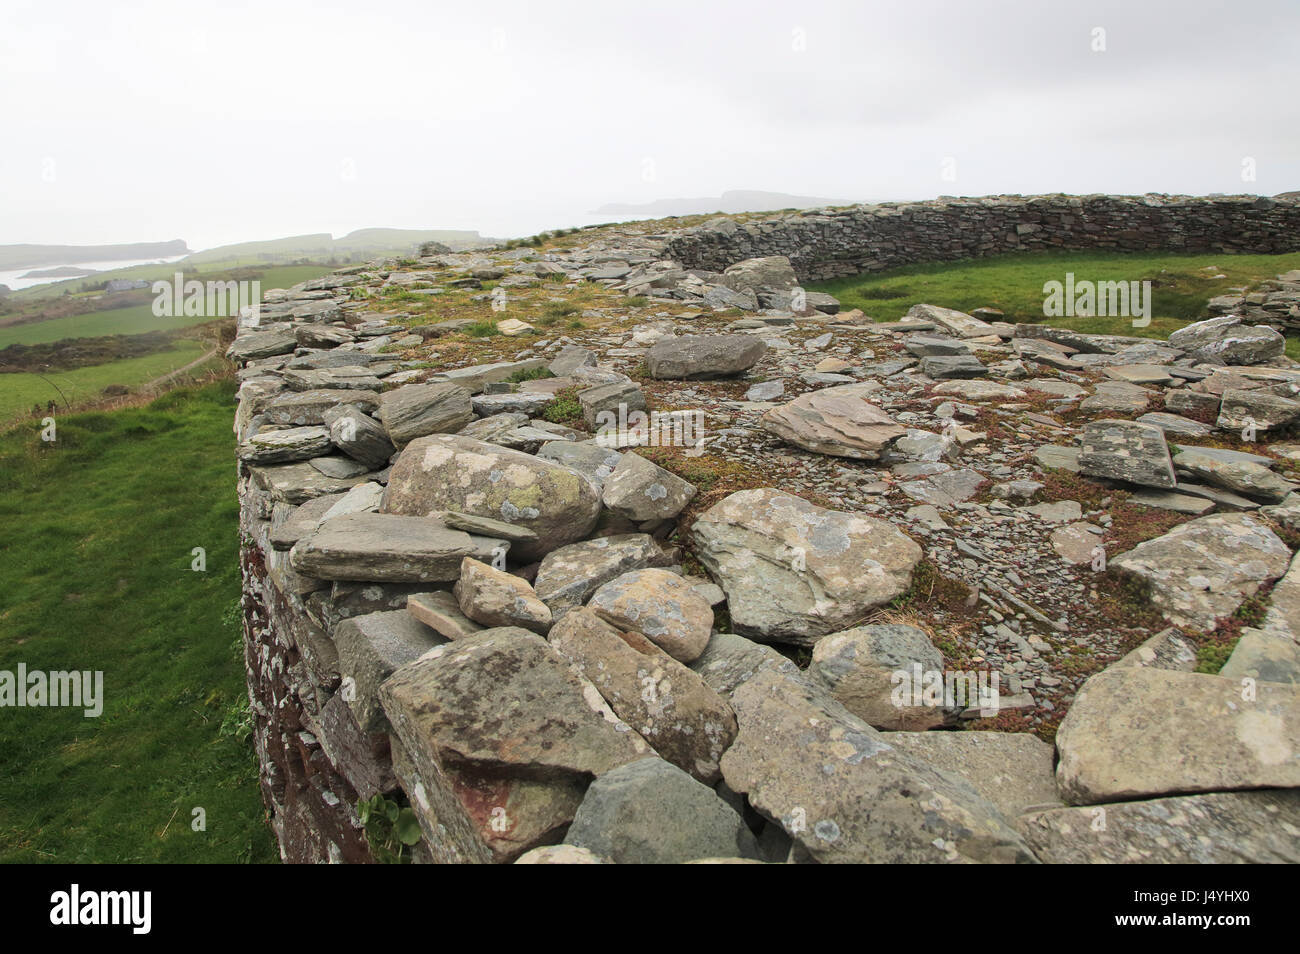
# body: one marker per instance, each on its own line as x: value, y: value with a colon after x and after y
x: 95, y: 566
x: 138, y: 318
x: 115, y: 321
x: 1180, y: 284
x: 18, y: 392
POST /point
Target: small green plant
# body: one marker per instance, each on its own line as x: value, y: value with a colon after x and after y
x: 565, y: 408
x: 637, y: 301
x: 237, y: 721
x: 1211, y: 657
x: 529, y: 374
x: 390, y: 828
x: 482, y: 329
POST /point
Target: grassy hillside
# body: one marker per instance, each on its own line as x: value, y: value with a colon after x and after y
x: 18, y: 392
x: 96, y: 534
x: 27, y: 256
x: 1180, y: 284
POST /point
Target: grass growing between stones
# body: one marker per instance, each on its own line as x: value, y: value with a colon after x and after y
x: 95, y: 565
x: 1014, y: 283
x: 1180, y: 286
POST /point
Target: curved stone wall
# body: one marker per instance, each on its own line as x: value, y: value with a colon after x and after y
x: 359, y: 669
x: 827, y: 244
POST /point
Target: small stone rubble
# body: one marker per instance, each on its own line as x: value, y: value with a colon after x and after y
x: 559, y: 641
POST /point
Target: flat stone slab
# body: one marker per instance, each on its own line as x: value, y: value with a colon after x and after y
x: 1176, y: 425
x: 1139, y: 732
x: 1264, y: 655
x: 1139, y: 374
x: 956, y: 323
x: 1204, y: 569
x: 1012, y: 770
x: 698, y: 357
x: 505, y: 699
x: 1169, y: 500
x: 382, y: 547
x: 1240, y: 476
x: 842, y: 791
x: 943, y: 367
x: 793, y: 571
x: 1128, y: 451
x: 981, y: 390
x: 440, y: 611
x: 945, y: 490
x: 838, y: 421
x: 1215, y: 829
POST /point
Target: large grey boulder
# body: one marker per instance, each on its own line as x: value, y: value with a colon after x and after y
x: 1128, y: 451
x: 448, y: 472
x: 643, y: 491
x: 761, y: 274
x: 1227, y: 340
x: 415, y: 410
x: 381, y: 547
x: 661, y: 606
x: 670, y: 706
x: 1215, y: 829
x: 496, y: 738
x: 793, y: 571
x: 651, y: 812
x: 838, y: 421
x: 1137, y: 732
x: 844, y: 793
x: 1241, y: 409
x: 858, y: 668
x: 1236, y: 473
x: 698, y: 357
x: 1204, y: 569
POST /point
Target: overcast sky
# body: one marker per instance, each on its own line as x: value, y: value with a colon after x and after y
x: 230, y: 121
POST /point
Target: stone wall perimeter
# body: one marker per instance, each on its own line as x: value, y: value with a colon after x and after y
x: 366, y: 678
x: 828, y: 244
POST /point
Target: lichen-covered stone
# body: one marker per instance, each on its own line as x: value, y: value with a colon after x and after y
x: 793, y: 571
x: 448, y: 472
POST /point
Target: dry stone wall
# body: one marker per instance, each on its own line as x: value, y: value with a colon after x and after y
x: 835, y: 243
x: 474, y: 634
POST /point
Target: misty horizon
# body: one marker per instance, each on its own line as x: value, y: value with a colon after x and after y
x: 296, y: 118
